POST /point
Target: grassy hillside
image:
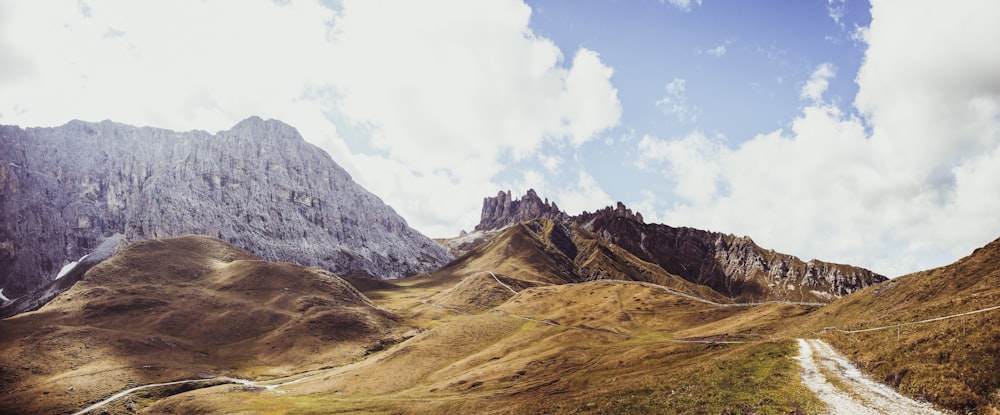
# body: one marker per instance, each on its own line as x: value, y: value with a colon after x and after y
x: 954, y: 362
x: 181, y: 308
x: 542, y: 252
x: 543, y: 318
x: 606, y: 347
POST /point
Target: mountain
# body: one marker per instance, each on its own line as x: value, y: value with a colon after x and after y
x: 259, y: 186
x: 178, y: 308
x: 953, y: 362
x: 733, y: 266
x: 595, y: 347
x: 544, y: 252
x: 500, y: 211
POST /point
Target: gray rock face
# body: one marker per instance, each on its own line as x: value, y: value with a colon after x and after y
x: 733, y: 266
x: 259, y: 186
x: 501, y: 211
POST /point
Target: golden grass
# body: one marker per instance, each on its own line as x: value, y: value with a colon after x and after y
x: 953, y: 363
x: 494, y: 363
x: 603, y: 347
x: 172, y: 309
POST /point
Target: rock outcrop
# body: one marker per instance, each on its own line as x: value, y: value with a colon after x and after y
x: 735, y: 267
x: 501, y: 211
x: 259, y: 186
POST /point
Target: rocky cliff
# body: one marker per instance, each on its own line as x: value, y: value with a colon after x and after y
x: 502, y: 211
x: 733, y: 266
x: 259, y: 186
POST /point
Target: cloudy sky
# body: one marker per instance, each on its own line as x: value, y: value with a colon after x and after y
x: 849, y: 131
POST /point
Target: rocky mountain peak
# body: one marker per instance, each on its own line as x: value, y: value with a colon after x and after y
x: 259, y: 186
x: 258, y: 128
x: 619, y: 211
x: 735, y: 267
x: 502, y: 211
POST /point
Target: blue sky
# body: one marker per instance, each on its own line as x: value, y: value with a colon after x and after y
x: 849, y: 131
x: 736, y: 68
x: 742, y: 64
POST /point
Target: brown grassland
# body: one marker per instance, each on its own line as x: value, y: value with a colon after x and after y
x: 461, y: 340
x: 954, y: 363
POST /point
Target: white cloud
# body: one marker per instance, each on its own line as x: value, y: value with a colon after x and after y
x: 550, y: 162
x: 693, y: 163
x: 675, y: 102
x: 718, y: 51
x: 818, y: 82
x: 836, y: 9
x: 583, y: 195
x: 647, y: 206
x: 917, y: 188
x: 684, y: 5
x: 438, y: 94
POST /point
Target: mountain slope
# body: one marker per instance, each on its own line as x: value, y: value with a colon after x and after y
x: 176, y: 308
x: 952, y: 362
x: 258, y: 185
x: 601, y: 347
x: 544, y: 252
x: 733, y: 266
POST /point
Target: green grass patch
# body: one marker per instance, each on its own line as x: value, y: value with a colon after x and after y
x: 758, y: 379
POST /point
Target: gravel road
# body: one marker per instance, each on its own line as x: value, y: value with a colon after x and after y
x: 848, y: 391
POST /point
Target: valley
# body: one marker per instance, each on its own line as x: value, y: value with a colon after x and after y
x: 460, y: 340
x: 330, y: 303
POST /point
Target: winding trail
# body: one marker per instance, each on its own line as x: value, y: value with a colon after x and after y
x: 699, y: 299
x: 848, y: 391
x: 224, y: 379
x: 123, y: 393
x: 492, y: 275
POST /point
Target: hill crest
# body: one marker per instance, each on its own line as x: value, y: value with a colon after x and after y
x: 735, y: 267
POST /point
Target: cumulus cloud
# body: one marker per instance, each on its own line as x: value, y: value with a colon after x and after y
x: 421, y: 102
x: 550, y: 162
x: 910, y: 185
x: 818, y: 83
x: 694, y: 163
x: 581, y: 192
x: 718, y: 51
x: 684, y: 5
x: 836, y: 9
x: 585, y: 194
x: 451, y: 93
x: 675, y: 102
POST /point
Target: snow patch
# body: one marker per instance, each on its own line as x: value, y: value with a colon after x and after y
x: 69, y: 267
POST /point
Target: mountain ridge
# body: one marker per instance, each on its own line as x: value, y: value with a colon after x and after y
x: 258, y: 185
x: 733, y: 266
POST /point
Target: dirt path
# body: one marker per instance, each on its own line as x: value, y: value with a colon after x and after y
x: 224, y: 379
x: 138, y: 388
x: 845, y: 389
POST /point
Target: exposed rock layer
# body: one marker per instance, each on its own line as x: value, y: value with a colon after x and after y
x: 259, y: 186
x: 502, y: 211
x: 733, y: 266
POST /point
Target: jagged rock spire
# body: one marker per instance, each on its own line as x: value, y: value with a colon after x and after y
x: 502, y: 211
